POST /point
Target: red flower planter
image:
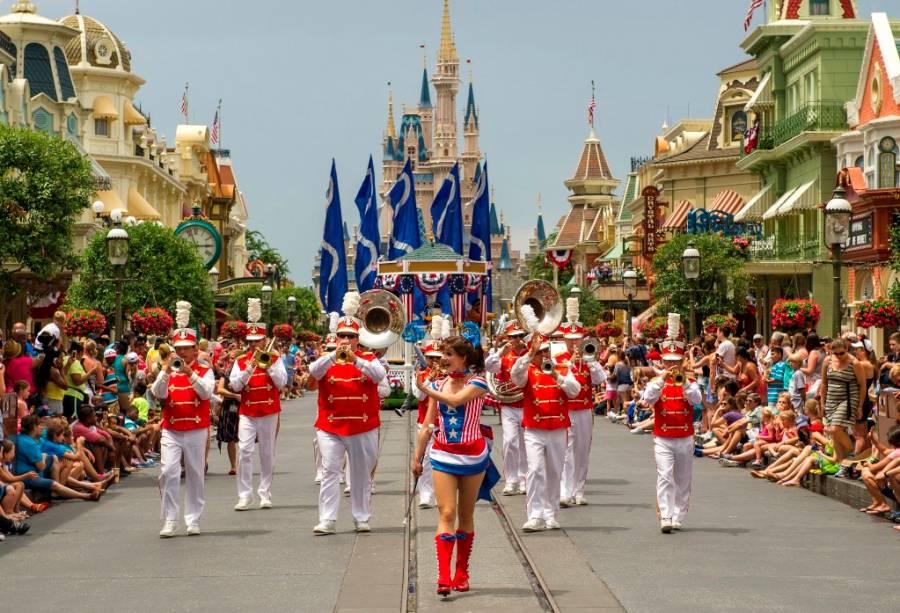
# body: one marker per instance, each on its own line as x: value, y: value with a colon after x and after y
x: 795, y: 315
x: 84, y: 322
x: 877, y: 314
x: 151, y: 320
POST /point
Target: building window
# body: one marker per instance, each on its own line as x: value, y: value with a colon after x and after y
x: 819, y: 7
x: 859, y: 163
x: 738, y: 126
x: 38, y: 71
x: 101, y: 126
x: 887, y: 162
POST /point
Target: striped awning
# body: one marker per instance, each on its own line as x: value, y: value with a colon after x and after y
x: 678, y: 217
x: 728, y: 201
x: 773, y: 210
x: 756, y: 206
x: 762, y: 97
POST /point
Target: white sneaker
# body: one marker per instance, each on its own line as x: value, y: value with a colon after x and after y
x: 676, y: 525
x: 347, y: 491
x: 522, y: 488
x: 265, y: 501
x: 552, y: 524
x: 2, y: 537
x: 372, y: 488
x: 362, y: 526
x: 511, y: 489
x: 580, y: 501
x: 636, y: 431
x: 665, y: 526
x: 534, y: 525
x: 169, y: 529
x: 243, y: 504
x: 193, y: 530
x: 326, y: 526
x: 318, y: 478
x: 567, y: 502
x: 426, y: 502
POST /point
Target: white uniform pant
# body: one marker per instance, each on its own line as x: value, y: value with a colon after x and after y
x: 515, y: 465
x: 362, y: 450
x: 251, y: 429
x: 426, y: 481
x: 175, y: 445
x: 578, y: 451
x: 546, y: 452
x: 674, y: 469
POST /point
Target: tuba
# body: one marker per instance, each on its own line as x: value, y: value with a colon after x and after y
x: 546, y: 302
x: 382, y: 317
x: 503, y: 392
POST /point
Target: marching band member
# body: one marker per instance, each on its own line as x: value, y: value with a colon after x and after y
x: 184, y: 391
x: 581, y: 415
x: 673, y: 397
x: 348, y: 423
x: 545, y: 418
x: 427, y: 375
x: 259, y: 384
x: 498, y: 363
x: 459, y: 456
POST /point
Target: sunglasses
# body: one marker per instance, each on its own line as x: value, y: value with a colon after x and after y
x: 839, y: 353
x: 346, y: 336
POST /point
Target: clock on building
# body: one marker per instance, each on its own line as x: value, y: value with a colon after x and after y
x: 204, y: 237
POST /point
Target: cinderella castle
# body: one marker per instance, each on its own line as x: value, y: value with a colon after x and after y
x: 428, y: 135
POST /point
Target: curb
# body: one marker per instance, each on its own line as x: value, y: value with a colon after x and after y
x: 850, y: 492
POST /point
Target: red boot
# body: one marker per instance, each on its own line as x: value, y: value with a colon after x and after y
x: 444, y: 545
x: 463, y: 551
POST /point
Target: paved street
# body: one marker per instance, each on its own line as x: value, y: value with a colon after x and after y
x: 747, y: 546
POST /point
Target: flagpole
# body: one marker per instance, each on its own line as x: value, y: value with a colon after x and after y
x: 219, y: 116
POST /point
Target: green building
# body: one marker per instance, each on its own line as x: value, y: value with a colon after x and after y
x: 809, y: 54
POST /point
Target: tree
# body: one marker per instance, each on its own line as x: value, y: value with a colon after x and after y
x: 259, y: 248
x: 721, y: 288
x: 45, y: 184
x: 162, y: 269
x: 306, y: 311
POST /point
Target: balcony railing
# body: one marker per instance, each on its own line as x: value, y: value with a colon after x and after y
x: 816, y: 117
x: 770, y: 248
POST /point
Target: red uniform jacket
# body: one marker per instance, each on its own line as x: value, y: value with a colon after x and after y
x: 260, y: 396
x: 673, y: 415
x: 544, y: 402
x: 348, y: 400
x: 183, y: 409
x: 506, y: 363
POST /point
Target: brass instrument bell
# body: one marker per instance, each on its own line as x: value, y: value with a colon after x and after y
x: 678, y: 378
x: 547, y: 366
x: 342, y: 354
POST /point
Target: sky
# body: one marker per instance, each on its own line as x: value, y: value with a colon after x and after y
x: 303, y: 82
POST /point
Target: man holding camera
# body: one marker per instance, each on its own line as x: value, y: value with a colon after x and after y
x: 499, y: 362
x: 545, y: 418
x: 184, y: 388
x: 347, y: 423
x: 259, y: 378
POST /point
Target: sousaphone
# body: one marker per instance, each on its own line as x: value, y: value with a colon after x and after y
x: 382, y: 319
x: 546, y: 303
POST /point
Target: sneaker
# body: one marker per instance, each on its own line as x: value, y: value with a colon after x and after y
x: 636, y: 431
x: 522, y: 488
x: 534, y: 525
x: 729, y: 463
x: 2, y: 537
x: 580, y: 501
x: 426, y: 502
x: 757, y: 465
x: 193, y: 530
x: 565, y: 503
x: 265, y: 501
x: 347, y: 491
x: 326, y: 526
x: 169, y: 529
x: 511, y: 489
x: 665, y: 526
x: 362, y: 526
x: 842, y: 473
x: 318, y: 478
x: 243, y: 504
x: 552, y: 524
x: 676, y: 525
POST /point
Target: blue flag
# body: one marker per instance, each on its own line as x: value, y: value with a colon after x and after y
x: 333, y: 261
x: 446, y: 213
x: 405, y: 232
x: 480, y: 239
x: 366, y: 263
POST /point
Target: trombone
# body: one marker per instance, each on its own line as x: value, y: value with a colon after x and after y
x: 264, y: 358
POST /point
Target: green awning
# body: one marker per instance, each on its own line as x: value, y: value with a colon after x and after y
x: 615, y: 253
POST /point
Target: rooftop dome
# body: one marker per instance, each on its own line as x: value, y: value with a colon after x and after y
x: 97, y: 45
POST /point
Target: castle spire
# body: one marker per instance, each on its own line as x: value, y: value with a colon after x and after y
x: 447, y: 51
x: 425, y: 94
x: 389, y: 131
x: 471, y: 111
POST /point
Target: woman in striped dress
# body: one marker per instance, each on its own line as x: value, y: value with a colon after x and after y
x: 459, y: 456
x: 843, y: 385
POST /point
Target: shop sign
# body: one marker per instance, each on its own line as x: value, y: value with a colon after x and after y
x: 651, y: 215
x: 860, y: 235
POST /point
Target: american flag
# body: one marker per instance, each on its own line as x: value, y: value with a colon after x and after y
x: 184, y: 102
x: 214, y: 133
x: 591, y: 106
x: 754, y: 4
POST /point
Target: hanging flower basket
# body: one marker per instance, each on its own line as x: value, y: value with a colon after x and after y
x: 234, y: 329
x: 283, y: 332
x: 151, y: 320
x: 795, y: 315
x: 85, y: 322
x: 742, y: 246
x: 657, y: 327
x: 607, y: 330
x: 725, y: 323
x: 877, y: 314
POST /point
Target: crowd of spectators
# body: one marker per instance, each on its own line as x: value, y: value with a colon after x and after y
x: 78, y: 414
x: 794, y: 406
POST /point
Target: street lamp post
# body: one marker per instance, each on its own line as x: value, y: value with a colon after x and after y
x: 838, y: 212
x: 266, y: 295
x: 629, y: 280
x: 214, y: 288
x: 690, y: 260
x: 117, y: 251
x: 292, y: 305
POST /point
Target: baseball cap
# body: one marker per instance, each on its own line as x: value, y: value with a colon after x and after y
x: 109, y: 352
x: 132, y: 357
x: 757, y: 337
x: 864, y: 343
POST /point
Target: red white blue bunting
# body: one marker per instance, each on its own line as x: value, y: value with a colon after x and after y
x: 559, y: 257
x: 431, y: 283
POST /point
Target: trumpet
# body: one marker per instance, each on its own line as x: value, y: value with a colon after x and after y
x: 264, y: 358
x: 547, y: 366
x: 177, y: 363
x: 588, y: 349
x: 678, y: 377
x: 342, y: 354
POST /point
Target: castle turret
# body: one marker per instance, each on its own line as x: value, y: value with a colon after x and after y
x: 426, y: 111
x: 471, y: 153
x: 446, y: 84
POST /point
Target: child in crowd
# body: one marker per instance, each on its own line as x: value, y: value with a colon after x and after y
x: 71, y: 468
x: 775, y: 382
x: 797, y: 383
x: 874, y: 473
x: 21, y: 390
x: 771, y: 435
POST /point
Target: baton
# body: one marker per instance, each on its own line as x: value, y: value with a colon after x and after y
x: 412, y: 496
